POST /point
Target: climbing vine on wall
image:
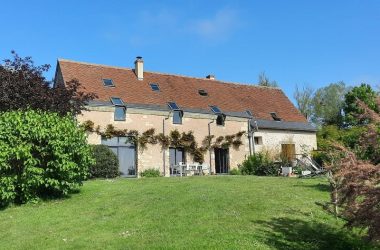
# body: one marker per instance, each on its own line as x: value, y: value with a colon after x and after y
x: 175, y: 139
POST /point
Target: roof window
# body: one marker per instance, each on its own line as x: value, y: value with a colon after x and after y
x: 275, y: 116
x: 108, y: 83
x: 155, y: 87
x: 203, y: 92
x: 173, y: 106
x: 215, y: 109
x: 117, y: 101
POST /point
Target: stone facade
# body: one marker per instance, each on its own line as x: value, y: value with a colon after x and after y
x: 153, y: 157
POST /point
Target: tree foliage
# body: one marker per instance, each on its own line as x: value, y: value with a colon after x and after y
x: 106, y: 163
x: 42, y: 154
x: 23, y: 86
x: 264, y: 81
x: 304, y: 100
x: 328, y: 104
x: 354, y: 174
x: 353, y: 111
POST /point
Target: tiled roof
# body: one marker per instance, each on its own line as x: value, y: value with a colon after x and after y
x: 229, y: 97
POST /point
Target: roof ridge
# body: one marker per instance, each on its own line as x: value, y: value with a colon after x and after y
x: 170, y: 74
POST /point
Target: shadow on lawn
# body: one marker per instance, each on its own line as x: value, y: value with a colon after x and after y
x: 284, y: 233
x: 323, y: 187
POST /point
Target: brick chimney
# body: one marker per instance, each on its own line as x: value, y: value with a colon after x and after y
x: 139, y: 68
x: 211, y: 77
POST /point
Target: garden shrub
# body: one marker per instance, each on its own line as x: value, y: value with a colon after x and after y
x: 42, y: 154
x: 259, y: 164
x: 106, y: 163
x: 150, y: 173
x: 235, y: 171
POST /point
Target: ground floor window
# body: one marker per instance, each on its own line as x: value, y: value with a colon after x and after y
x: 126, y: 153
x: 222, y: 161
x: 258, y: 140
x: 176, y: 155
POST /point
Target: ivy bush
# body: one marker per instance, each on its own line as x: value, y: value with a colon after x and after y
x: 150, y: 173
x: 106, y: 163
x: 259, y: 164
x: 42, y: 155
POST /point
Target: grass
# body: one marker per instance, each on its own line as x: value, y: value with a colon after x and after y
x: 228, y: 212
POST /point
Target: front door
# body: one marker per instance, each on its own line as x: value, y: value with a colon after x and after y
x: 221, y: 160
x: 127, y: 164
x: 176, y: 155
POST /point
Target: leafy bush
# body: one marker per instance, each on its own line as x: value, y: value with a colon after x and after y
x: 259, y: 164
x: 106, y: 163
x: 235, y: 171
x: 42, y: 154
x: 150, y: 173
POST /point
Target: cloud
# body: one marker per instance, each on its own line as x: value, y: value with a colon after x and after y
x: 220, y: 26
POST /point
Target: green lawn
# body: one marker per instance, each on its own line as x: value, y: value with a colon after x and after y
x: 225, y: 212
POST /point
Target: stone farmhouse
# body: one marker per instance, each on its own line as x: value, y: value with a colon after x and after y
x: 215, y: 111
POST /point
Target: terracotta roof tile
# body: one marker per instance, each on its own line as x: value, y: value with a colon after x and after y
x: 231, y: 97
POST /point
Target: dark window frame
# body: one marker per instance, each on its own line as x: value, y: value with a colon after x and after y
x: 258, y: 140
x: 108, y: 85
x: 155, y: 87
x: 202, y: 92
x: 275, y: 116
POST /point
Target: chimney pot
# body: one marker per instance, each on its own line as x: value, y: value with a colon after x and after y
x: 211, y: 77
x: 139, y: 68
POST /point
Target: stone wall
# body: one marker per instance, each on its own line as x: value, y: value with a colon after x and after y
x: 152, y: 157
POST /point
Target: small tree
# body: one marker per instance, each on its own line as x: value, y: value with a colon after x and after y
x: 23, y: 86
x: 355, y: 182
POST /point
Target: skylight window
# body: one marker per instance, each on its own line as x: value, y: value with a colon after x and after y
x: 117, y: 101
x: 155, y: 87
x: 203, y: 92
x: 173, y: 106
x: 249, y: 113
x: 275, y: 116
x: 215, y: 109
x: 108, y: 83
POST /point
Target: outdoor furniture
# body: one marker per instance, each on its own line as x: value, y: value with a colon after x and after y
x: 190, y: 169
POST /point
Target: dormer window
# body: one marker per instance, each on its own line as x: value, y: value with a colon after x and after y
x: 220, y: 119
x: 203, y: 92
x: 177, y: 112
x: 177, y: 116
x: 275, y: 116
x: 120, y: 109
x: 155, y: 87
x: 108, y: 83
